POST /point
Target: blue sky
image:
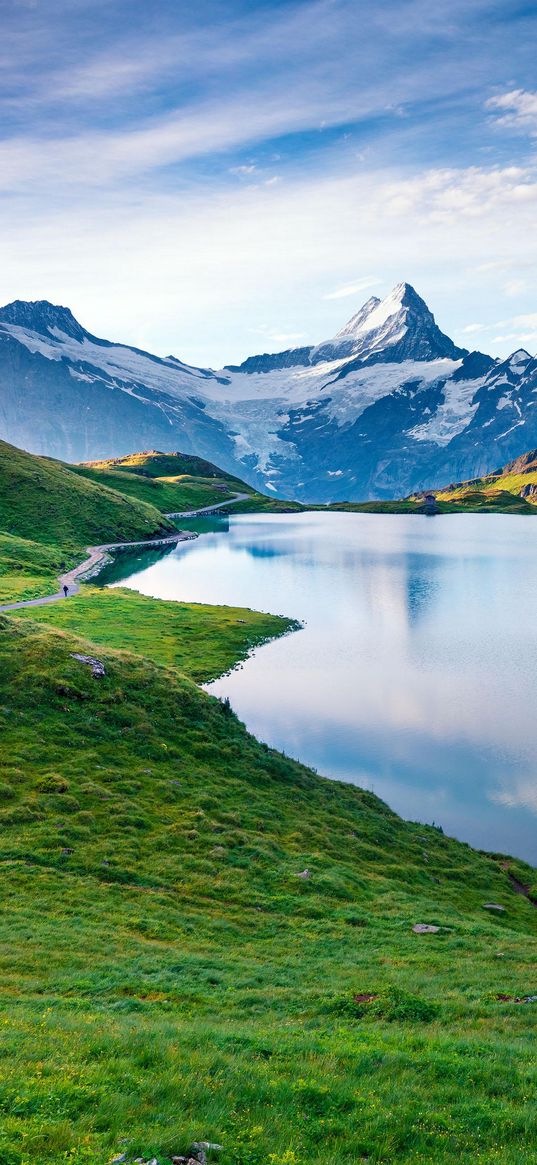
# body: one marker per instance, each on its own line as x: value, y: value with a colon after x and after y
x: 215, y: 180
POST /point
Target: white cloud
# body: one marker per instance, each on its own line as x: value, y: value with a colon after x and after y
x: 516, y: 109
x: 353, y: 288
x: 448, y: 195
x: 522, y: 794
x: 196, y: 275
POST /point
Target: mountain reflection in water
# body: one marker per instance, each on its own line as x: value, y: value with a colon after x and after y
x: 415, y: 673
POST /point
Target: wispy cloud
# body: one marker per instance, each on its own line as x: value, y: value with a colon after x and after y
x: 516, y: 109
x: 179, y: 172
x: 353, y: 288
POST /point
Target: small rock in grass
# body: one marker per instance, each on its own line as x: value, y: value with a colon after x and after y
x: 206, y: 1146
x: 118, y: 1160
x: 424, y: 928
x: 97, y: 668
x: 493, y: 906
x: 304, y: 874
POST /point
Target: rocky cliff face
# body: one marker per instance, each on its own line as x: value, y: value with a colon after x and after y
x: 387, y: 406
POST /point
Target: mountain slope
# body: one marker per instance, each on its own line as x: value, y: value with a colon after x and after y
x: 49, y: 502
x: 386, y: 406
x: 168, y: 976
x: 511, y: 490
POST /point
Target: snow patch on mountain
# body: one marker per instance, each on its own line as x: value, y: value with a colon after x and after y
x: 452, y: 416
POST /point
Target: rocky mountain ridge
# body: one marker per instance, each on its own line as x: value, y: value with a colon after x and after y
x: 387, y: 406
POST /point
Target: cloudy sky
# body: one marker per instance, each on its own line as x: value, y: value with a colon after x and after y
x: 214, y: 180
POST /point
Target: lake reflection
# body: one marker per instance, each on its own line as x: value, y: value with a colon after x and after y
x: 415, y: 673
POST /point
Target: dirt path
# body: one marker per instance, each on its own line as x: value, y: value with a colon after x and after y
x: 209, y: 509
x: 98, y: 556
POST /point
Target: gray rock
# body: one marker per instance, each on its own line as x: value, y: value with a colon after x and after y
x: 493, y: 906
x: 304, y: 874
x: 97, y: 668
x: 424, y: 928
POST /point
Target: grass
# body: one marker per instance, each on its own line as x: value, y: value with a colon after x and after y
x: 175, y: 481
x: 50, y: 512
x: 203, y: 642
x: 166, y: 975
x: 47, y: 502
x: 169, y: 481
x: 29, y: 569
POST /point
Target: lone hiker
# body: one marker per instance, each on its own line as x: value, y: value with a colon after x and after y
x: 65, y: 590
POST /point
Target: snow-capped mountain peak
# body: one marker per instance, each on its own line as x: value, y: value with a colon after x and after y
x: 399, y: 327
x: 42, y: 317
x: 360, y: 322
x: 387, y: 406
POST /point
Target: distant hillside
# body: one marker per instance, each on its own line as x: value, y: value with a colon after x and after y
x: 153, y: 463
x: 512, y: 489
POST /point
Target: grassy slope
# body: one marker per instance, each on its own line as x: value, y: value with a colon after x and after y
x: 48, y: 515
x: 170, y: 481
x: 167, y: 976
x: 50, y: 512
x: 201, y: 641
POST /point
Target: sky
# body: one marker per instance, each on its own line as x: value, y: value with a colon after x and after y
x: 212, y: 181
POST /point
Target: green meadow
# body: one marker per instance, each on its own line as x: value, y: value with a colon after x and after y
x: 166, y: 973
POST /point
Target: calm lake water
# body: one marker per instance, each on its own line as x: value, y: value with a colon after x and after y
x: 416, y: 672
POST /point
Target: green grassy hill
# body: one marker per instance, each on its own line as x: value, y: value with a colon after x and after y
x: 49, y: 514
x: 167, y: 971
x: 50, y: 511
x: 509, y: 489
x: 49, y: 502
x: 177, y: 481
x: 170, y: 481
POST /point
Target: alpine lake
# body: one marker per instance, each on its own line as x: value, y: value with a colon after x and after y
x: 415, y: 671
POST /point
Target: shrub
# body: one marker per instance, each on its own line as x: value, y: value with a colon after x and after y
x: 390, y: 1003
x: 52, y: 783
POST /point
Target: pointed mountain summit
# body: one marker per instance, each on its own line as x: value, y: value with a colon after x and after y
x: 42, y: 317
x: 399, y: 327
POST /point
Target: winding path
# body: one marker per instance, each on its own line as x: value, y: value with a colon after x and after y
x: 209, y: 509
x: 98, y: 556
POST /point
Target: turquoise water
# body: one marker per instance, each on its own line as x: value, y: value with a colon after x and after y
x: 416, y: 672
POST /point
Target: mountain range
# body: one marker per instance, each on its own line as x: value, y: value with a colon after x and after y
x: 387, y: 406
